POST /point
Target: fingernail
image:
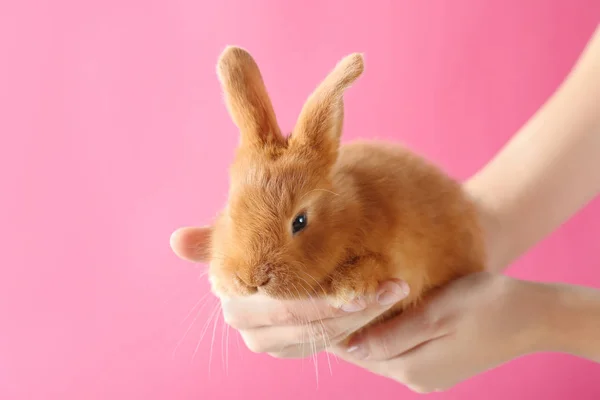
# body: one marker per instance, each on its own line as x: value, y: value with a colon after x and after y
x: 356, y: 305
x: 357, y: 352
x: 392, y: 292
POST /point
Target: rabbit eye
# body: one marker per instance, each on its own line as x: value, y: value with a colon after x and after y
x: 299, y: 223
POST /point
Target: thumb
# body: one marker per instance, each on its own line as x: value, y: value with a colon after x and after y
x: 397, y: 335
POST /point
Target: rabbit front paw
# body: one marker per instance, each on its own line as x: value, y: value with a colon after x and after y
x: 353, y: 284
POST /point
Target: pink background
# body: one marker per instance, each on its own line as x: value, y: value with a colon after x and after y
x: 114, y: 134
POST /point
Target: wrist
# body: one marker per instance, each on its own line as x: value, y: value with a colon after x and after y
x: 572, y: 321
x: 494, y: 224
x: 546, y: 317
x: 531, y: 316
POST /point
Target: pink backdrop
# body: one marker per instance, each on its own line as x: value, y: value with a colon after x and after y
x: 114, y: 134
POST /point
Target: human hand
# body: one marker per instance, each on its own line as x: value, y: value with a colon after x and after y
x: 296, y: 329
x: 471, y: 325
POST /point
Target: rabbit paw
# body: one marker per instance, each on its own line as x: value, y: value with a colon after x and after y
x: 353, y: 284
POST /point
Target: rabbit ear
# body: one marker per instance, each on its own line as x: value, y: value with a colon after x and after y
x: 192, y: 244
x: 247, y: 99
x: 319, y: 125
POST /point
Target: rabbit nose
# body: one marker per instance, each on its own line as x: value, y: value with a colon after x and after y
x: 262, y: 276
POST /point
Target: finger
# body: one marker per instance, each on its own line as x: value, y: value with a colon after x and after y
x: 261, y: 311
x: 280, y: 347
x: 191, y: 243
x: 313, y: 336
x: 305, y: 338
x: 419, y: 375
x: 398, y: 335
x: 382, y: 368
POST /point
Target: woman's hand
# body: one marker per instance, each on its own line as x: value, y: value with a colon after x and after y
x: 474, y: 324
x: 295, y: 329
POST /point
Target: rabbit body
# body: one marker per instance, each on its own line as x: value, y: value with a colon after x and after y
x: 308, y: 216
x: 410, y: 221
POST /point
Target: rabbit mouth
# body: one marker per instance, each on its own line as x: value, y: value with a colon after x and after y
x: 278, y: 282
x: 288, y: 289
x: 274, y: 287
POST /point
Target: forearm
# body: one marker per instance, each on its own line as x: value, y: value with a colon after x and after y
x: 572, y: 321
x: 549, y: 170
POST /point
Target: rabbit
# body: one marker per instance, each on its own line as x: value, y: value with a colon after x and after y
x: 308, y: 216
